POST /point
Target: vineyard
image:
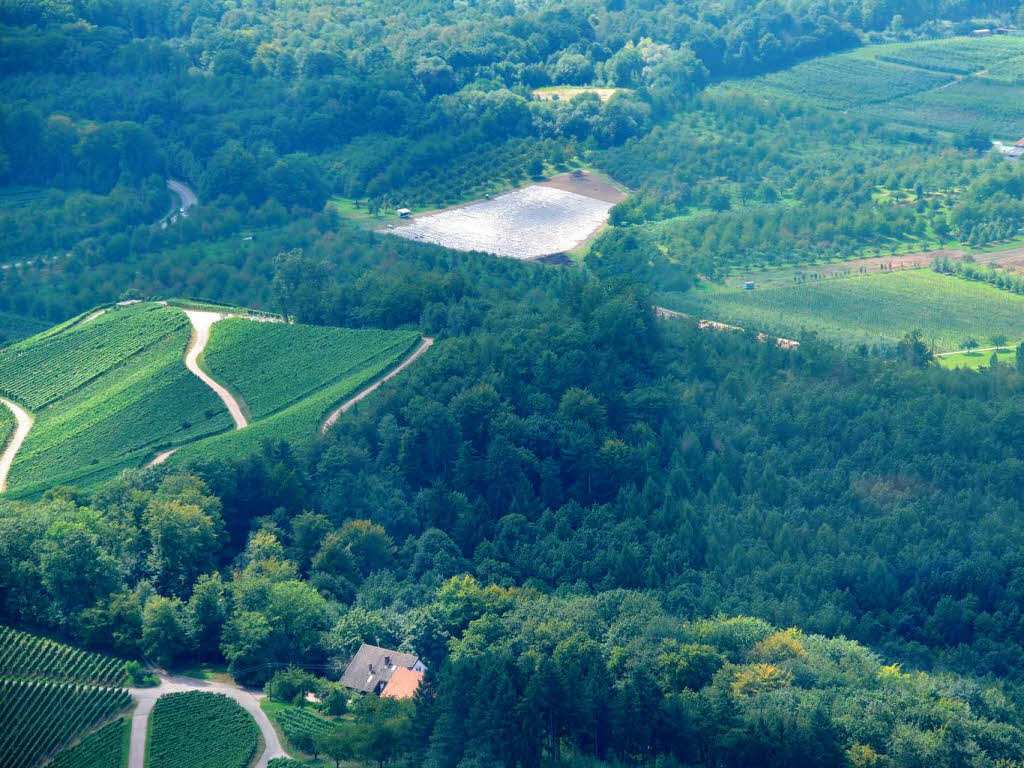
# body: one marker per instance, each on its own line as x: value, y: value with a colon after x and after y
x: 952, y: 84
x: 102, y: 749
x: 117, y: 419
x: 200, y: 730
x: 296, y: 723
x: 871, y: 309
x: 39, y: 717
x: 299, y: 421
x: 841, y: 82
x: 272, y: 365
x: 24, y: 655
x: 36, y: 373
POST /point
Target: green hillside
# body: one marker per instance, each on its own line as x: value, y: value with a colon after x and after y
x: 110, y: 389
x: 16, y: 327
x: 290, y: 376
x: 868, y: 309
x: 949, y: 85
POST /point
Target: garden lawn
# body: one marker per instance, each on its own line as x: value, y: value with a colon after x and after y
x: 871, y: 309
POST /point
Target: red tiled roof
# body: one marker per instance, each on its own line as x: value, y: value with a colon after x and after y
x: 403, y: 684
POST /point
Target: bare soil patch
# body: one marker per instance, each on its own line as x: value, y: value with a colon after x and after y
x: 586, y: 184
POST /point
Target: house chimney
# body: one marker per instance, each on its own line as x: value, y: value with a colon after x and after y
x: 387, y: 661
x: 371, y: 667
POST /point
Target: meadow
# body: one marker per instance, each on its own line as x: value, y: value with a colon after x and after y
x: 200, y: 730
x: 976, y: 360
x: 948, y: 85
x: 878, y: 308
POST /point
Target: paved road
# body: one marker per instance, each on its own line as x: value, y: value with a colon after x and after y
x: 423, y: 347
x: 201, y: 322
x: 146, y: 698
x: 23, y: 425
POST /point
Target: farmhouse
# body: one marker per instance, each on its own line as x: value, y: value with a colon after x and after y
x: 373, y: 669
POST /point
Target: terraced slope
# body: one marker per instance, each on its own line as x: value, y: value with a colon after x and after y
x: 129, y: 394
x: 290, y: 376
x: 27, y: 656
x: 16, y: 327
x: 102, y: 749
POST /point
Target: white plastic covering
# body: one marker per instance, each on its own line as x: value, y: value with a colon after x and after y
x: 523, y: 224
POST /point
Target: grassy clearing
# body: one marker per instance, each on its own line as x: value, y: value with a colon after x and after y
x: 976, y: 360
x: 871, y: 309
x: 564, y: 92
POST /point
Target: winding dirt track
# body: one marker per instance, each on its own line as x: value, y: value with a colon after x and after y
x: 333, y: 417
x: 24, y: 424
x: 201, y: 322
x: 146, y: 698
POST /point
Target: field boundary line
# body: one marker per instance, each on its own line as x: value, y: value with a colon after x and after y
x: 426, y: 343
x: 23, y: 423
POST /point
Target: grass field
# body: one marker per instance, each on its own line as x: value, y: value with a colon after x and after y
x: 975, y: 360
x: 871, y: 309
x: 200, y: 730
x: 948, y: 85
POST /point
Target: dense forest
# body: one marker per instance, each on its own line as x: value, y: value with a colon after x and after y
x: 616, y: 538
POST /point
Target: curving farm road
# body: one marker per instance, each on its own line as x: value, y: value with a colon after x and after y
x: 146, y: 698
x: 201, y: 322
x: 333, y: 417
x: 24, y: 424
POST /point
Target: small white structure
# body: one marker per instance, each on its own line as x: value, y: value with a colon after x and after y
x: 403, y: 213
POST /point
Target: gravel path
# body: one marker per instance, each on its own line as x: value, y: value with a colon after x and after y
x: 146, y: 698
x: 201, y: 322
x: 24, y: 424
x: 423, y: 347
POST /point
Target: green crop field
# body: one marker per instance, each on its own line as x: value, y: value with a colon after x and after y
x: 300, y: 421
x: 110, y: 390
x: 102, y: 749
x: 200, y: 730
x: 951, y: 84
x: 272, y: 365
x: 35, y: 373
x: 139, y: 399
x: 296, y: 723
x: 869, y: 309
x: 24, y: 655
x: 40, y: 717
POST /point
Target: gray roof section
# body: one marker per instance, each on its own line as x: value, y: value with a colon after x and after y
x: 367, y: 669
